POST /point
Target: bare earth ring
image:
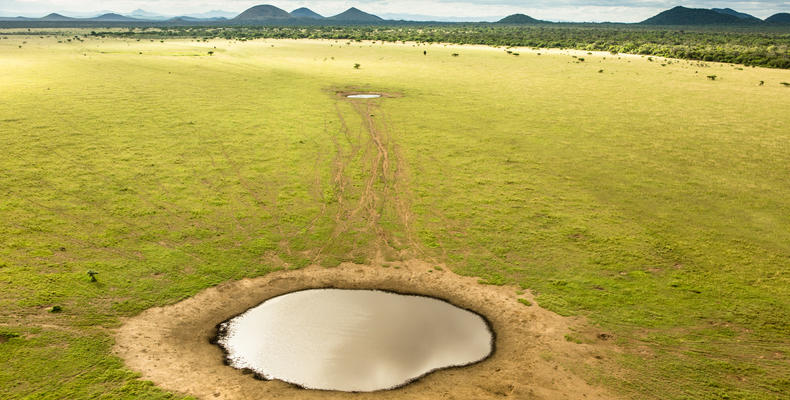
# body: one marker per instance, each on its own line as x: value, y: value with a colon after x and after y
x: 171, y: 347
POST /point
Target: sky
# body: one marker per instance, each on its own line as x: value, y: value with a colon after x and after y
x: 449, y: 10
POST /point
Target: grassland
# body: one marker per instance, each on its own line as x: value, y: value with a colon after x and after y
x: 637, y: 193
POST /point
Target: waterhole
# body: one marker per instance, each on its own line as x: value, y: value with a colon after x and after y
x: 353, y: 340
x: 363, y: 96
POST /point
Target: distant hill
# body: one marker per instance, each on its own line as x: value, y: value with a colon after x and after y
x: 15, y: 19
x: 142, y: 14
x: 743, y: 16
x: 262, y: 12
x: 306, y: 13
x: 56, y: 17
x: 184, y: 18
x: 213, y: 14
x: 519, y: 19
x: 692, y: 16
x: 112, y: 17
x: 779, y: 19
x: 355, y: 15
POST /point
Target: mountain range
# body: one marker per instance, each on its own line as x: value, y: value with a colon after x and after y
x: 271, y: 15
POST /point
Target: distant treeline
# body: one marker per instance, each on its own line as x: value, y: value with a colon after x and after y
x: 759, y: 47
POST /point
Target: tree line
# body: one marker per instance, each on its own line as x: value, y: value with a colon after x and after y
x: 750, y: 47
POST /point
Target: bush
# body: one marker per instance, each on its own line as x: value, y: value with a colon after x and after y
x: 93, y: 274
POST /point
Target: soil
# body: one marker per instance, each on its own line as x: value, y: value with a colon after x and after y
x: 171, y: 345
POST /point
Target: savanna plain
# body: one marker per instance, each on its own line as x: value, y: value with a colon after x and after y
x: 647, y: 197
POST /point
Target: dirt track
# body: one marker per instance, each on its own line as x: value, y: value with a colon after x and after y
x: 170, y: 345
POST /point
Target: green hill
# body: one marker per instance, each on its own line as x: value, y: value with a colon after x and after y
x: 112, y: 17
x: 262, y: 12
x: 779, y: 19
x: 742, y: 16
x: 56, y: 17
x: 692, y: 16
x: 306, y: 13
x: 519, y: 19
x: 355, y: 15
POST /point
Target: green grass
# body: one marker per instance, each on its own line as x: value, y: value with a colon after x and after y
x: 646, y: 198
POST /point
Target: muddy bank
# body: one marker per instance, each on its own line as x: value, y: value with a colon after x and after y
x: 171, y: 345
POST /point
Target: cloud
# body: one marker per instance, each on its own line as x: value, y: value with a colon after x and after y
x: 554, y: 10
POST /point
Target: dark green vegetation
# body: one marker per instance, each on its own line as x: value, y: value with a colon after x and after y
x: 751, y: 47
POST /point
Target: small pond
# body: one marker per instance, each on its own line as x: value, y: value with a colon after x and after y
x: 353, y: 340
x: 363, y: 96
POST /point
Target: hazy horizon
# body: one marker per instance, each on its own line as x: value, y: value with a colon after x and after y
x: 436, y: 10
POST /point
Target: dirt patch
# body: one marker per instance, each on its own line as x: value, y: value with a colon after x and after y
x: 171, y: 345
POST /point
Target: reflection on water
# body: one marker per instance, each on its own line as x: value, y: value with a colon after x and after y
x: 353, y: 340
x: 363, y: 96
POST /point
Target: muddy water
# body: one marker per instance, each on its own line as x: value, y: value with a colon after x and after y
x: 353, y: 340
x: 363, y: 96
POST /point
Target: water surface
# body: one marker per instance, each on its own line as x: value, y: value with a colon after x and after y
x: 353, y: 340
x: 363, y: 96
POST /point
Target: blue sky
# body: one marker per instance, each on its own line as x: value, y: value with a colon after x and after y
x: 470, y: 10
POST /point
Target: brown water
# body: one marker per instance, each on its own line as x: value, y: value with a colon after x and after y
x: 353, y: 340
